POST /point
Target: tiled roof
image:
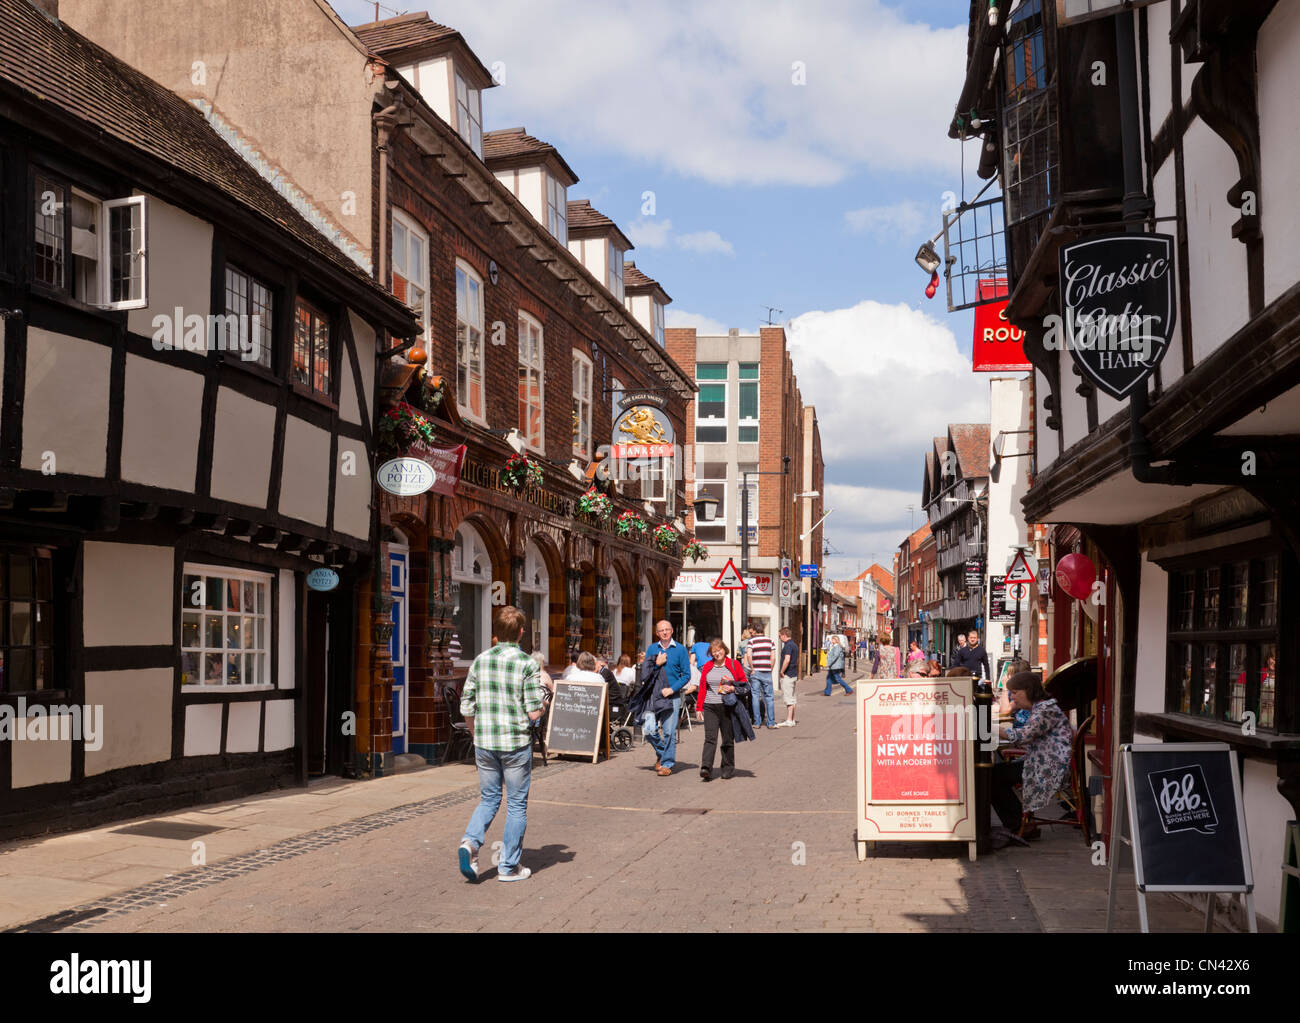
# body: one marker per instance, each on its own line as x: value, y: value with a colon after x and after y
x: 919, y: 537
x: 58, y: 67
x: 515, y: 144
x: 971, y: 443
x: 583, y: 218
x: 634, y: 279
x: 398, y: 33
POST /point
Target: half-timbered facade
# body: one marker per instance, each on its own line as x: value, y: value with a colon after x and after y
x: 527, y: 327
x: 185, y: 434
x: 1177, y: 119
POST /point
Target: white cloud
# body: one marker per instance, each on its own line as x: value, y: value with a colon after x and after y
x: 649, y: 232
x: 703, y: 325
x: 708, y: 91
x: 886, y: 380
x: 866, y: 523
x: 906, y: 219
x: 704, y: 242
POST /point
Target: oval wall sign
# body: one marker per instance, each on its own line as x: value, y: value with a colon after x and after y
x: 322, y: 579
x: 406, y: 477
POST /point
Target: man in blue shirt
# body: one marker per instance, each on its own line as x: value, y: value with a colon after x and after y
x: 672, y: 657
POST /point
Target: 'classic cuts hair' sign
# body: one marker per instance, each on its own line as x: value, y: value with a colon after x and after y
x: 1117, y: 308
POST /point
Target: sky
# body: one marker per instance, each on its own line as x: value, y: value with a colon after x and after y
x: 797, y: 154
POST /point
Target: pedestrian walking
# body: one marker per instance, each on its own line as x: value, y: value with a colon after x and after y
x: 502, y: 696
x: 875, y: 659
x: 891, y: 661
x: 668, y: 665
x: 835, y: 667
x: 759, y: 656
x: 789, y: 676
x: 721, y: 680
x: 956, y: 656
x: 974, y: 657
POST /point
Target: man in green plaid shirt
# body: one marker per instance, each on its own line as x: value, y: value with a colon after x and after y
x: 503, y: 695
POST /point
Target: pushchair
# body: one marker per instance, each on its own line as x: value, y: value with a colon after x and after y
x: 621, y: 731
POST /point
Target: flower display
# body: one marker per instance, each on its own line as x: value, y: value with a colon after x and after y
x: 403, y: 424
x: 595, y: 504
x: 628, y: 522
x: 665, y: 538
x: 521, y: 471
x: 695, y: 550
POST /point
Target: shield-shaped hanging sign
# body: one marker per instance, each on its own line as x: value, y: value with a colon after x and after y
x: 1117, y: 307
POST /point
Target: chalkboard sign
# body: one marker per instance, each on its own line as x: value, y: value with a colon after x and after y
x: 579, y: 721
x: 1188, y: 832
x: 1178, y: 807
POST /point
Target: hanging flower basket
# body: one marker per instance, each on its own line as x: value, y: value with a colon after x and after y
x: 402, y: 425
x: 695, y: 550
x: 628, y: 522
x: 520, y: 472
x: 665, y: 538
x: 595, y: 504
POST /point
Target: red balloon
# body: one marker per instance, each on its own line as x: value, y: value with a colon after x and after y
x: 1075, y: 574
x: 933, y: 286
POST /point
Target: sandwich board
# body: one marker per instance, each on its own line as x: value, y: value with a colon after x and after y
x: 1178, y: 811
x: 579, y: 719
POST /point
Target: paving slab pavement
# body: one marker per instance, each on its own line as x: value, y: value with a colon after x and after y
x: 612, y: 846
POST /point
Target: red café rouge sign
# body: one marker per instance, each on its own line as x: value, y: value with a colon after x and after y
x: 998, y: 345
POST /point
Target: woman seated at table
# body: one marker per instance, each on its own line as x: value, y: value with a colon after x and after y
x: 1046, y: 740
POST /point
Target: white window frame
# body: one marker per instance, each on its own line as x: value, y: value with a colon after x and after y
x: 657, y: 315
x: 537, y: 368
x: 269, y: 633
x: 469, y: 114
x: 465, y: 395
x: 758, y: 401
x: 469, y: 553
x: 582, y: 401
x: 714, y: 421
x: 137, y: 300
x: 557, y: 209
x: 614, y: 269
x: 412, y: 232
x: 537, y: 582
x: 101, y: 241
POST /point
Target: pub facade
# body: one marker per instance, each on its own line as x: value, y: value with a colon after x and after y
x: 1170, y: 466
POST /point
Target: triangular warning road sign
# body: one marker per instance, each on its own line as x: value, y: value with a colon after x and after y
x: 1019, y: 572
x: 729, y: 578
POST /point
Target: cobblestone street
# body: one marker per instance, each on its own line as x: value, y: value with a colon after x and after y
x: 614, y: 847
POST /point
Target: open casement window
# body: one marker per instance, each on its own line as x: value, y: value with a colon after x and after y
x: 469, y: 342
x: 311, y: 350
x: 226, y: 628
x: 531, y: 389
x: 581, y: 405
x: 411, y: 268
x: 469, y: 116
x: 91, y: 249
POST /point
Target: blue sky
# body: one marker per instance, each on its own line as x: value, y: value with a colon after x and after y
x: 809, y: 197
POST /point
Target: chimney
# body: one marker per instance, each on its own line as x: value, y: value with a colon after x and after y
x: 734, y: 332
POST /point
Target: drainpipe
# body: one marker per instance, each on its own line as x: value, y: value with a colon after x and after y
x: 386, y: 122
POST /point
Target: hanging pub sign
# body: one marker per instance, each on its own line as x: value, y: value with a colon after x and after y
x: 1117, y: 308
x: 998, y: 345
x: 642, y: 429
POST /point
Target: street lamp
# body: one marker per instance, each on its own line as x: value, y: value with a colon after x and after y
x: 744, y: 532
x: 804, y: 536
x: 706, y: 507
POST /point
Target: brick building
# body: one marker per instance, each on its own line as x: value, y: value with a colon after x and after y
x: 528, y: 335
x: 740, y: 379
x: 909, y: 579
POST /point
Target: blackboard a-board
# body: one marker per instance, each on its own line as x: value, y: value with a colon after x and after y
x: 578, y: 721
x: 1187, y: 820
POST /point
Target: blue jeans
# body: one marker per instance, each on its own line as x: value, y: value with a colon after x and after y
x: 516, y: 768
x: 665, y: 748
x: 763, y: 696
x: 834, y: 677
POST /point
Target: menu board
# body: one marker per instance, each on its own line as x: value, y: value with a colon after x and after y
x: 578, y: 721
x: 916, y: 759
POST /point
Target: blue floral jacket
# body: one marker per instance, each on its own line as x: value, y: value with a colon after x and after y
x: 1046, y: 740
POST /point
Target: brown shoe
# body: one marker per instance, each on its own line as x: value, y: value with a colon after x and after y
x: 662, y: 771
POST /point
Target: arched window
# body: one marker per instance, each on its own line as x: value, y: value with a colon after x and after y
x: 471, y: 575
x: 535, y: 595
x: 614, y: 601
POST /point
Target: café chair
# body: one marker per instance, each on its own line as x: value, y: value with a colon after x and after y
x: 461, y: 738
x: 1072, y: 795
